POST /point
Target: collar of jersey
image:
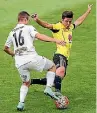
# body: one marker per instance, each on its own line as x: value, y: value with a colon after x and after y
x: 20, y: 24
x: 64, y: 27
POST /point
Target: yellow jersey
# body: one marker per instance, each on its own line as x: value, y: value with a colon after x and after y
x: 60, y: 32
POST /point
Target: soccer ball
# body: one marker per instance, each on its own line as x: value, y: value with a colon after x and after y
x: 62, y: 103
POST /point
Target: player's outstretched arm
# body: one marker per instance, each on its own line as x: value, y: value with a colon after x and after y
x: 83, y: 17
x: 49, y: 39
x: 41, y: 22
x: 9, y: 51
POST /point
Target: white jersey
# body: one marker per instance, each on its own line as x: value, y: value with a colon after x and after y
x: 22, y: 37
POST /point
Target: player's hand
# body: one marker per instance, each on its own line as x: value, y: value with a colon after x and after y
x: 34, y: 16
x: 90, y: 7
x: 61, y: 42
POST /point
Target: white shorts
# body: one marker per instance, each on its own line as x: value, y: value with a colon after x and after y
x: 38, y: 63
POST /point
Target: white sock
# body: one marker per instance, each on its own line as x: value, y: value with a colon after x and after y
x: 23, y: 93
x: 50, y: 78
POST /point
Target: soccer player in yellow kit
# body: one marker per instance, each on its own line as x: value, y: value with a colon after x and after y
x: 61, y: 30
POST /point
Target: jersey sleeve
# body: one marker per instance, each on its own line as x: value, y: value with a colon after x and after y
x: 9, y: 42
x: 72, y: 26
x: 56, y: 26
x: 33, y: 31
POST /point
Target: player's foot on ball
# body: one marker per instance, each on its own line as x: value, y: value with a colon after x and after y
x: 20, y: 106
x: 58, y: 94
x: 48, y: 91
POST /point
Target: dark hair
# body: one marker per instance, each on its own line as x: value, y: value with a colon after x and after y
x: 67, y: 14
x: 22, y: 15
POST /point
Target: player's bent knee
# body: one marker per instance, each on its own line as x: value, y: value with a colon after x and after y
x: 27, y: 83
x: 53, y: 68
x: 60, y: 72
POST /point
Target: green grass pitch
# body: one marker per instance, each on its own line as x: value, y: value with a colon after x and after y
x: 79, y: 84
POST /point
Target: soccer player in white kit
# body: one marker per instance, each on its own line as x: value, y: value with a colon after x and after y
x: 26, y: 58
